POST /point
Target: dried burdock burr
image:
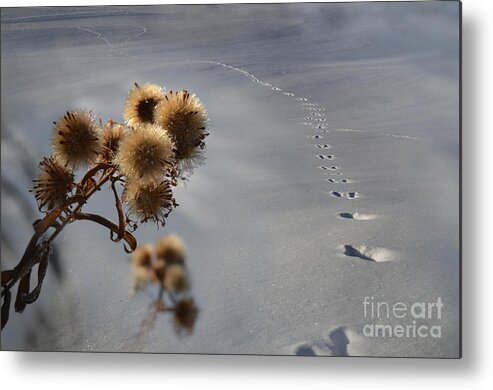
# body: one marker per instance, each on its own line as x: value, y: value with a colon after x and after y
x: 185, y: 315
x: 139, y: 165
x: 171, y: 250
x: 145, y: 154
x: 153, y: 201
x: 175, y: 279
x: 77, y: 139
x: 171, y: 277
x: 184, y: 117
x: 141, y: 103
x: 52, y: 185
x: 142, y: 266
x: 113, y: 134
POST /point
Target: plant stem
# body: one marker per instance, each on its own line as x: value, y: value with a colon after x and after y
x: 22, y: 268
x: 70, y: 217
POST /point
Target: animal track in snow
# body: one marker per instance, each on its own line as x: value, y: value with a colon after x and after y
x: 366, y: 252
x: 112, y: 47
x: 335, y: 344
x: 314, y: 119
x: 344, y: 181
x: 317, y: 127
x: 345, y: 195
x: 325, y: 156
x: 358, y: 216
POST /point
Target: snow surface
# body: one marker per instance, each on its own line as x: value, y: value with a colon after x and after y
x: 332, y: 171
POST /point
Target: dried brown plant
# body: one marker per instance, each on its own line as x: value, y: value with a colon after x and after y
x: 140, y: 156
x: 163, y: 266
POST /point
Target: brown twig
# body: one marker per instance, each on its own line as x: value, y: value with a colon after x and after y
x: 38, y: 253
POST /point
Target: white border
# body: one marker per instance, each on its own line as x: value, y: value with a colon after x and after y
x: 126, y: 371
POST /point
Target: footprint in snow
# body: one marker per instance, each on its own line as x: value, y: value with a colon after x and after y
x: 325, y: 156
x: 368, y: 253
x: 345, y: 181
x: 334, y: 344
x: 344, y: 195
x: 358, y: 216
x: 314, y: 119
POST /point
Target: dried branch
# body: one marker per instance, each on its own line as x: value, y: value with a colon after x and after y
x: 129, y: 238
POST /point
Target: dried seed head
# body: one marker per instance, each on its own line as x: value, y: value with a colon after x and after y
x: 142, y: 256
x: 142, y: 265
x: 53, y: 184
x: 141, y: 102
x: 76, y: 139
x: 175, y: 279
x: 149, y: 201
x: 113, y: 133
x: 183, y: 116
x: 145, y: 154
x: 185, y: 315
x: 171, y: 250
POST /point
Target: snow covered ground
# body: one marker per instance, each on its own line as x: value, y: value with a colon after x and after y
x: 332, y: 172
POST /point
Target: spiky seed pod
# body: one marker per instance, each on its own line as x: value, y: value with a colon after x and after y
x: 142, y: 265
x: 184, y: 117
x: 145, y: 154
x: 113, y: 133
x: 142, y: 256
x: 141, y: 102
x: 185, y: 315
x: 175, y: 279
x: 53, y: 184
x: 171, y: 250
x: 76, y: 139
x: 149, y: 201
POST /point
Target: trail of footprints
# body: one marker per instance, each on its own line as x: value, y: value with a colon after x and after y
x: 317, y: 121
x: 336, y: 343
